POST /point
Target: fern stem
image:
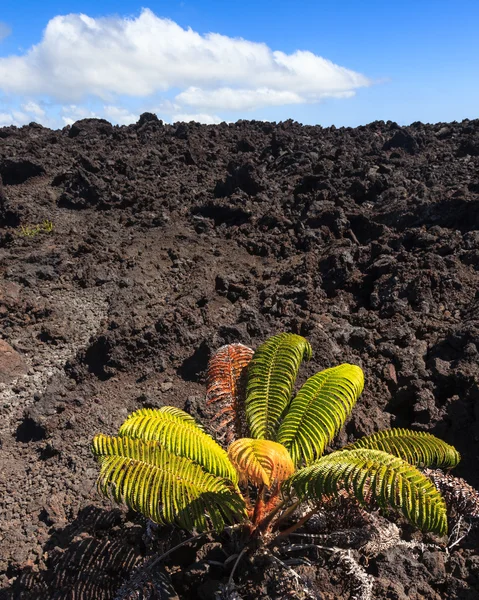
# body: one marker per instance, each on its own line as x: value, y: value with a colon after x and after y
x: 180, y: 545
x: 297, y: 525
x: 240, y: 556
x: 287, y: 513
x: 259, y: 506
x: 269, y: 517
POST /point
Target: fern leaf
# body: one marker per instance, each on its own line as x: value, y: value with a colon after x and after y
x: 179, y: 433
x: 261, y: 461
x: 181, y: 414
x: 415, y: 447
x: 319, y: 411
x: 373, y: 475
x: 271, y: 377
x: 164, y: 487
x: 226, y: 379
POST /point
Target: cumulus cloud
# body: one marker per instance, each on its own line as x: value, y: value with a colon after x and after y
x: 28, y: 113
x: 119, y: 115
x: 72, y: 113
x: 8, y: 118
x: 228, y: 98
x: 140, y: 57
x: 199, y: 118
x: 35, y: 109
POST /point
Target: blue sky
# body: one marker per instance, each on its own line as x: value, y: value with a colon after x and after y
x: 336, y: 62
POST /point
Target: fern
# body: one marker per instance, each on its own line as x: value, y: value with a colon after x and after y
x: 261, y: 461
x: 319, y: 411
x: 165, y: 466
x: 226, y: 371
x: 373, y: 475
x: 416, y: 447
x: 163, y: 487
x: 179, y: 433
x: 271, y: 377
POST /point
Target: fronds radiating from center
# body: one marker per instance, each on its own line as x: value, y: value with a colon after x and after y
x: 178, y: 432
x: 416, y: 447
x: 271, y: 377
x: 373, y: 475
x: 165, y: 465
x: 261, y: 461
x: 164, y: 487
x: 319, y: 411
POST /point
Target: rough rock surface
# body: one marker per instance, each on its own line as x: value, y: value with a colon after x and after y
x: 171, y: 240
x: 12, y: 364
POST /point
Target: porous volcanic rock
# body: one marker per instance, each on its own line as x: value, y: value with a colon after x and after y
x: 12, y: 365
x: 171, y: 240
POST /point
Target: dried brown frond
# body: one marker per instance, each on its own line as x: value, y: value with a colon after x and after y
x: 460, y: 497
x: 225, y: 387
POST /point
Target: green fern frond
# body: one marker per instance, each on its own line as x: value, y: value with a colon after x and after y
x: 163, y: 487
x: 271, y: 376
x: 373, y: 475
x: 319, y: 411
x: 181, y: 414
x: 179, y: 433
x: 415, y: 447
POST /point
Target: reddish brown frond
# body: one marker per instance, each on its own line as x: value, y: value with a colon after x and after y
x: 225, y: 380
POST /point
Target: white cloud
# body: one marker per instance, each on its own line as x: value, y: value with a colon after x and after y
x: 29, y: 112
x: 199, y: 118
x: 14, y: 117
x: 34, y: 109
x: 107, y: 57
x: 227, y: 98
x: 5, y: 31
x: 6, y: 119
x: 73, y: 113
x: 119, y: 115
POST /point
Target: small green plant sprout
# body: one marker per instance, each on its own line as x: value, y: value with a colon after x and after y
x: 164, y: 464
x: 33, y: 230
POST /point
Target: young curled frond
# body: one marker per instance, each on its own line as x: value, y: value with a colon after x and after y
x: 261, y: 461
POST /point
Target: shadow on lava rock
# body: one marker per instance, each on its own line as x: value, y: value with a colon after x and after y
x: 87, y: 560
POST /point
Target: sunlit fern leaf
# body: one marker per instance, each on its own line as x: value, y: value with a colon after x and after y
x: 416, y: 447
x: 178, y: 432
x: 261, y: 461
x: 374, y: 476
x: 319, y: 411
x: 225, y: 386
x: 271, y: 377
x: 163, y: 487
x: 181, y: 414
